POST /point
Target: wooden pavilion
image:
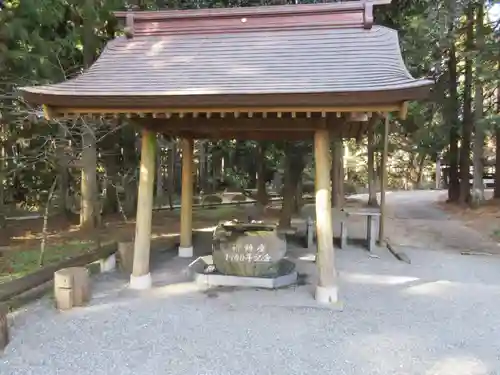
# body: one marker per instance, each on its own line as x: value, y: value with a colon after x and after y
x: 280, y: 72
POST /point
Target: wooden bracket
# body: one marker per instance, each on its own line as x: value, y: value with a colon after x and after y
x: 403, y: 111
x: 129, y: 25
x: 368, y: 16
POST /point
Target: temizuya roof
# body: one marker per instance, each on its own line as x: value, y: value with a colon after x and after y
x: 319, y: 55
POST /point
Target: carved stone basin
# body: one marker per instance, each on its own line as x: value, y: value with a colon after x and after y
x: 249, y: 250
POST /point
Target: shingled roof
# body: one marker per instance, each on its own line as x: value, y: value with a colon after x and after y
x: 296, y: 55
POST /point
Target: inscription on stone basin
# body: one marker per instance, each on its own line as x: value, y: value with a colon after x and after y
x: 248, y: 250
x: 247, y: 253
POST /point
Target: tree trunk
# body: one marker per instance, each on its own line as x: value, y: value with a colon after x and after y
x: 341, y: 175
x: 437, y: 181
x: 479, y: 137
x: 420, y: 171
x: 262, y: 197
x: 337, y: 173
x: 465, y: 149
x: 202, y: 165
x: 171, y: 172
x: 496, y: 193
x: 294, y: 165
x: 453, y: 181
x: 160, y: 178
x: 298, y: 197
x: 110, y: 156
x: 63, y: 172
x: 89, y: 210
x: 216, y: 168
x: 411, y: 171
x: 129, y: 168
x: 3, y: 184
x: 46, y: 223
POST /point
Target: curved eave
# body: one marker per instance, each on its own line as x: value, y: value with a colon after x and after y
x: 420, y: 90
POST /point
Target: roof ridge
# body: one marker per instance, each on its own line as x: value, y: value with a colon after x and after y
x: 343, y: 14
x: 340, y: 6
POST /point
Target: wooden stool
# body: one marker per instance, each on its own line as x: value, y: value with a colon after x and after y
x: 4, y: 326
x: 71, y: 287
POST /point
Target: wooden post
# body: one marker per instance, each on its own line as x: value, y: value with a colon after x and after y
x: 141, y: 277
x: 186, y: 245
x: 372, y: 192
x: 326, y: 290
x: 383, y: 183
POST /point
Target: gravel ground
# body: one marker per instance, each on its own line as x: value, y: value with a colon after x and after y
x: 436, y: 316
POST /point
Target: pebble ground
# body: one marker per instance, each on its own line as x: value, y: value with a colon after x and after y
x: 437, y: 316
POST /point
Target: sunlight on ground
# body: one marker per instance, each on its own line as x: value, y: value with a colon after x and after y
x: 374, y: 279
x: 311, y: 257
x: 435, y: 288
x: 176, y: 289
x: 459, y: 366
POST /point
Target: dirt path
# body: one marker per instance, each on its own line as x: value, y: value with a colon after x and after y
x: 415, y: 220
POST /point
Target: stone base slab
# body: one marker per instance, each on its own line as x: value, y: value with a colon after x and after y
x: 205, y: 280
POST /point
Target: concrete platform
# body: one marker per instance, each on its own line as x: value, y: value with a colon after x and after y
x: 207, y: 280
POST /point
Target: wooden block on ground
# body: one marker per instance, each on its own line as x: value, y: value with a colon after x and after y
x: 4, y: 326
x: 71, y: 287
x: 126, y: 256
x: 64, y: 298
x: 81, y: 286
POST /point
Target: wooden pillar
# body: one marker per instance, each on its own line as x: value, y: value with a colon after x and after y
x: 372, y: 190
x: 326, y: 290
x: 383, y: 183
x: 141, y: 278
x: 186, y: 245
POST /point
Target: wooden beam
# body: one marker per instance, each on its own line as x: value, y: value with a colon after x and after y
x: 228, y: 124
x: 141, y: 278
x: 383, y: 182
x: 254, y: 136
x: 298, y: 109
x: 326, y: 290
x: 372, y: 194
x: 186, y: 244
